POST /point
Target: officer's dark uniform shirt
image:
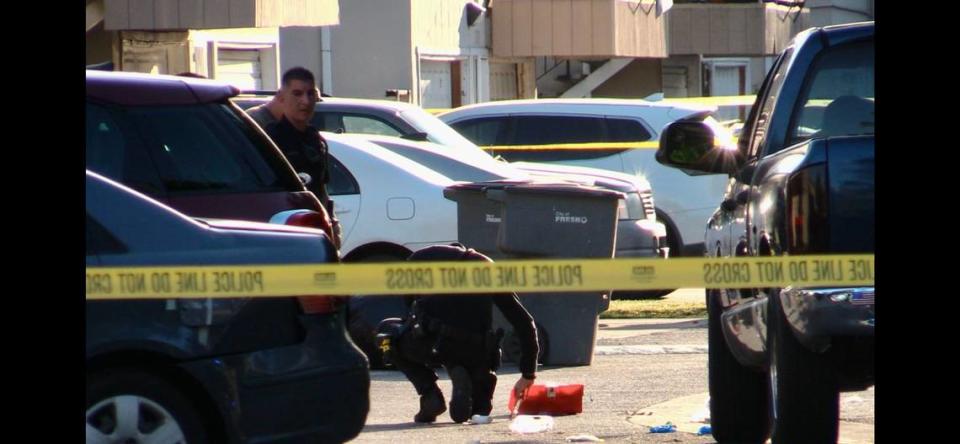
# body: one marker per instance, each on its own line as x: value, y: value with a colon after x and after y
x: 474, y: 313
x: 306, y: 151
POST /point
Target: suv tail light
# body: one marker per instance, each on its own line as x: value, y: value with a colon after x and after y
x: 307, y: 218
x: 314, y: 304
x: 807, y: 210
x: 320, y: 304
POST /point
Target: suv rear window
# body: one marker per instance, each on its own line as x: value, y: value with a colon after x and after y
x: 113, y: 150
x: 550, y: 130
x: 484, y: 131
x: 625, y: 130
x: 189, y: 149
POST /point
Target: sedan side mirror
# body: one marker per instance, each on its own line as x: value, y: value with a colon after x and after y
x: 697, y: 147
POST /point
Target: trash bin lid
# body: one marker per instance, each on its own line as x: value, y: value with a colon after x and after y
x: 452, y: 192
x: 563, y: 190
x: 480, y: 186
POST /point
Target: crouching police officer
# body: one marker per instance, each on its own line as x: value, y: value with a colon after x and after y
x: 455, y: 331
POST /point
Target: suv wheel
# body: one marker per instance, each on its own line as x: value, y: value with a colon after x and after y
x: 131, y: 405
x: 804, y: 396
x: 738, y: 397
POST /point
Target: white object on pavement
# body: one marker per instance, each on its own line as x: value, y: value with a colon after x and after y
x: 583, y: 438
x: 531, y: 423
x: 703, y: 416
x: 480, y: 419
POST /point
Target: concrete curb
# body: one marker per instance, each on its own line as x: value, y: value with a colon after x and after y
x: 681, y: 412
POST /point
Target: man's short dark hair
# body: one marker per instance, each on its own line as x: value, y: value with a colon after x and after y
x: 298, y: 73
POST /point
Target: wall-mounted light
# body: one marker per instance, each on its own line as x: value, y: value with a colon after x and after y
x: 474, y: 11
x: 401, y: 95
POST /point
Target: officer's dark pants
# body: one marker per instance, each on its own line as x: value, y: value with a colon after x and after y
x: 414, y: 358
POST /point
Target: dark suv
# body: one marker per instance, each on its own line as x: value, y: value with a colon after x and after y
x: 181, y: 141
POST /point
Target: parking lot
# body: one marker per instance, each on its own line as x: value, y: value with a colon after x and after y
x: 295, y: 210
x: 645, y: 372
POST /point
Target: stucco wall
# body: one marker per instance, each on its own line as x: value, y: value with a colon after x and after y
x: 300, y: 46
x: 372, y: 49
x: 637, y: 80
x: 442, y: 25
x: 99, y: 46
x: 692, y: 66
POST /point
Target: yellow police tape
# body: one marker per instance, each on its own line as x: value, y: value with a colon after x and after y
x: 745, y: 100
x: 476, y: 277
x: 711, y: 100
x: 649, y: 144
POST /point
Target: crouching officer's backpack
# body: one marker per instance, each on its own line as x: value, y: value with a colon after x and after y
x: 435, y: 329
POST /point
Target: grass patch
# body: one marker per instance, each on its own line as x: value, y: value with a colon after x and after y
x: 665, y: 308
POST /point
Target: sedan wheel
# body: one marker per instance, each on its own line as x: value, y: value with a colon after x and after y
x: 132, y: 406
x: 133, y: 419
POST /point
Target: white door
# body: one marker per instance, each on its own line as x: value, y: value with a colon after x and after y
x: 503, y: 81
x: 726, y: 81
x: 240, y: 68
x: 730, y: 77
x: 435, y: 84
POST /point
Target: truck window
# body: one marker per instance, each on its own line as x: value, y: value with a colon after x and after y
x: 761, y: 120
x: 838, y: 95
x: 748, y: 125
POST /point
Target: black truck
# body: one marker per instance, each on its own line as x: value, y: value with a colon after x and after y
x: 801, y: 182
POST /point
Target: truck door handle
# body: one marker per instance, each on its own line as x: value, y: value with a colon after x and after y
x: 743, y: 197
x: 736, y: 202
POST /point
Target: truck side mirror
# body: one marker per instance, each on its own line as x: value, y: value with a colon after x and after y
x: 697, y: 147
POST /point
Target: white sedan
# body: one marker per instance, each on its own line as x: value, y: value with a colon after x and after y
x: 388, y: 205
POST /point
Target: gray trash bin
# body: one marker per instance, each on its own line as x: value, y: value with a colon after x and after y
x: 545, y: 220
x: 477, y: 213
x: 550, y: 220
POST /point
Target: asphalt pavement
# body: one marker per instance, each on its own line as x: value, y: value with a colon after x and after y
x: 644, y: 373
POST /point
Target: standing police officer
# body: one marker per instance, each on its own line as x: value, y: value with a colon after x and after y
x: 300, y: 142
x: 455, y: 331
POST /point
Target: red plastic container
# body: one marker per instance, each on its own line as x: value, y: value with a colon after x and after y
x: 553, y: 400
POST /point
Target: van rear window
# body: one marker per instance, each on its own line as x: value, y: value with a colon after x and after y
x: 201, y: 149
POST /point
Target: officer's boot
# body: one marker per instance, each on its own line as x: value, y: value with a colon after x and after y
x: 484, y: 383
x: 461, y: 403
x: 431, y: 405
